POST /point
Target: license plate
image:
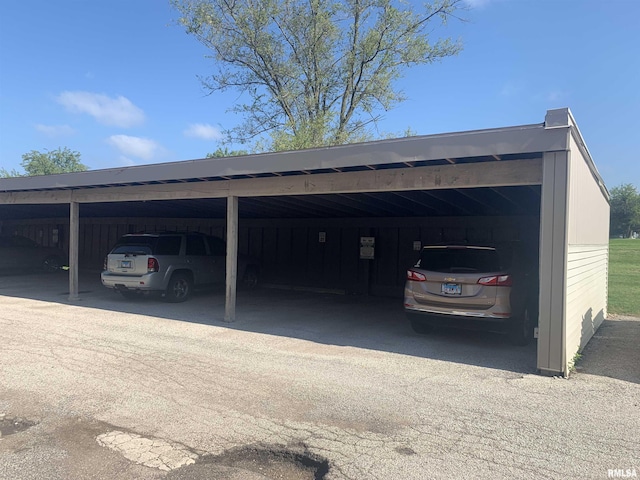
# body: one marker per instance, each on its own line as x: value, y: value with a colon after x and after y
x: 452, y: 289
x: 125, y: 264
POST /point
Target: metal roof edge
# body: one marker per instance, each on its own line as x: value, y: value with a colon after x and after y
x: 473, y: 143
x: 562, y: 117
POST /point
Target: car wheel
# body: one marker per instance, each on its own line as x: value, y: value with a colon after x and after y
x: 250, y: 278
x: 52, y: 264
x: 421, y: 327
x: 521, y: 330
x: 179, y: 288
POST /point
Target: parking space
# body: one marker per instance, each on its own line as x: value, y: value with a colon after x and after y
x: 332, y: 320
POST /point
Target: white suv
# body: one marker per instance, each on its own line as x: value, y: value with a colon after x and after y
x: 172, y: 264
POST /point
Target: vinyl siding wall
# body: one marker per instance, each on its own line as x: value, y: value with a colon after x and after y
x: 587, y: 255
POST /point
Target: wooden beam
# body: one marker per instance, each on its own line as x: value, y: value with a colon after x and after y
x: 232, y: 259
x: 472, y: 195
x: 445, y: 197
x: 289, y: 206
x: 412, y: 197
x: 74, y: 243
x: 440, y: 177
x: 387, y: 200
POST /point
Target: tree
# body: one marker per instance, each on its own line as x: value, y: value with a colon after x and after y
x: 34, y: 163
x: 225, y: 152
x: 625, y: 210
x: 316, y: 72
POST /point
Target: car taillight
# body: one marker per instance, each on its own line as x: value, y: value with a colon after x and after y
x: 104, y: 264
x: 416, y: 276
x: 496, y: 280
x: 152, y: 265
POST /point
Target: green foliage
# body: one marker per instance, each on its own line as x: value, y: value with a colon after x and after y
x: 50, y: 162
x: 4, y: 173
x: 314, y: 72
x: 225, y: 152
x: 625, y: 210
x: 624, y: 276
x: 574, y: 361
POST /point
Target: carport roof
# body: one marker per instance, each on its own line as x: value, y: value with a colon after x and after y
x: 31, y: 197
x: 513, y: 143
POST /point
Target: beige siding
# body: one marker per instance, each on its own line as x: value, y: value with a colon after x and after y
x: 587, y: 255
x: 588, y: 215
x: 586, y: 293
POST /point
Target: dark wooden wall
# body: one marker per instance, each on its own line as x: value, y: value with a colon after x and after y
x: 290, y: 251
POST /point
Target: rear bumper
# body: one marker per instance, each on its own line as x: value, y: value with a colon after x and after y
x: 489, y: 315
x: 148, y: 282
x: 500, y: 325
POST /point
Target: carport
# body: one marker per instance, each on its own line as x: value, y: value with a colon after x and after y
x: 536, y: 183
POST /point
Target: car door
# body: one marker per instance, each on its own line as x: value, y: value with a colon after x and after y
x: 199, y: 259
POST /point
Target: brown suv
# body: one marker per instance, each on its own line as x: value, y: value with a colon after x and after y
x: 470, y: 287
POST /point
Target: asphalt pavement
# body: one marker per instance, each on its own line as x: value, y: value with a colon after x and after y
x: 302, y: 385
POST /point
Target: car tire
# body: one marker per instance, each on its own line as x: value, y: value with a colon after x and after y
x: 52, y: 264
x: 420, y: 327
x: 521, y: 330
x: 179, y: 288
x: 250, y: 278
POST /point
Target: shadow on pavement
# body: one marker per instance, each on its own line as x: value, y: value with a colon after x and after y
x: 614, y: 350
x: 372, y: 323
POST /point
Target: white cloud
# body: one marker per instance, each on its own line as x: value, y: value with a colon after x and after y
x: 138, y: 147
x: 479, y: 3
x: 203, y: 131
x: 117, y: 111
x: 55, y: 130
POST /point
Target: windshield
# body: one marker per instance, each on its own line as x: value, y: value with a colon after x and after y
x: 132, y: 249
x: 148, y: 245
x: 459, y: 259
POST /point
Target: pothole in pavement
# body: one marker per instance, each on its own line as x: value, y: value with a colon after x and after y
x: 11, y: 425
x: 256, y: 463
x: 246, y: 463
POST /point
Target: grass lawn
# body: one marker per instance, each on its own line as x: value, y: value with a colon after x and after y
x: 624, y: 276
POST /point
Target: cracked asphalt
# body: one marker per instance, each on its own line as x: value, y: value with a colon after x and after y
x: 343, y: 378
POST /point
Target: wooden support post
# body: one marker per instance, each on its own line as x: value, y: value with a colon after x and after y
x: 232, y: 259
x: 74, y: 233
x: 553, y: 265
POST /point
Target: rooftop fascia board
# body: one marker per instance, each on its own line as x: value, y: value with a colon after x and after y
x: 478, y: 143
x: 563, y: 118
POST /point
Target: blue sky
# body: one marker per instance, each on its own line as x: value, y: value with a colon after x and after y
x: 117, y: 80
